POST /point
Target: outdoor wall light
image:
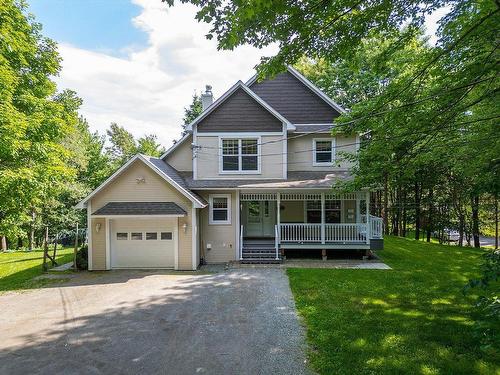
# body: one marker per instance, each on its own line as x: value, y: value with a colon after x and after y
x: 98, y: 227
x: 185, y: 227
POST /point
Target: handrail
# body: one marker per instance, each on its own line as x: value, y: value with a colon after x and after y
x: 241, y: 242
x: 318, y: 233
x: 276, y: 241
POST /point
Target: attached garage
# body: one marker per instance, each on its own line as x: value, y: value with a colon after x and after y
x: 143, y: 243
x: 141, y: 234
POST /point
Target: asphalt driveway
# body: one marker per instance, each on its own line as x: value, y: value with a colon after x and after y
x: 131, y: 322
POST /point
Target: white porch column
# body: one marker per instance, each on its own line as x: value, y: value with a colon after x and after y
x: 323, y: 218
x: 278, y: 211
x: 368, y: 224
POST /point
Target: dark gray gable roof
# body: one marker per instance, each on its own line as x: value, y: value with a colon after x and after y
x: 140, y: 208
x: 294, y: 100
x: 240, y: 112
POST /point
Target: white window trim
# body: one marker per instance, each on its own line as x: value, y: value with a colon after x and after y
x: 211, y: 206
x: 334, y: 153
x: 239, y: 138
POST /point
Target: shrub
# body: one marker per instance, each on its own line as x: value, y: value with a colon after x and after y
x: 487, y: 324
x: 82, y: 258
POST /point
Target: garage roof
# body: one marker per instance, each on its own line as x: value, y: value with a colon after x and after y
x: 140, y: 208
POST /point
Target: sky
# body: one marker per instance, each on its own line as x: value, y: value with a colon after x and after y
x: 139, y: 62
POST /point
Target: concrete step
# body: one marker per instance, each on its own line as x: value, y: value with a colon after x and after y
x: 260, y: 261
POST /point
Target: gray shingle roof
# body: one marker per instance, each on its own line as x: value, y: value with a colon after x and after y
x: 171, y: 172
x: 140, y: 208
x: 299, y: 180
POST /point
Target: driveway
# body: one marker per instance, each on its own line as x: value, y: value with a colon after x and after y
x: 130, y: 322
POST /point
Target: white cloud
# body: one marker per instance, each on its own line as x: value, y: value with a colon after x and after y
x: 147, y: 90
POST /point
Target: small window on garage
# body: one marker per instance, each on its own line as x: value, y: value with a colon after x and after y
x: 151, y: 236
x: 136, y: 236
x: 122, y: 236
x: 166, y: 235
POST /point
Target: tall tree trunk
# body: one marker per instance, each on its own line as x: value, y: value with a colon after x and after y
x: 417, y: 211
x: 496, y: 222
x: 403, y: 222
x: 4, y: 243
x: 430, y: 216
x: 461, y: 229
x: 32, y: 231
x: 475, y: 220
x: 385, y: 214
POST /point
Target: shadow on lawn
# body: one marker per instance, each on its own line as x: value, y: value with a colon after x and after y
x: 204, y: 323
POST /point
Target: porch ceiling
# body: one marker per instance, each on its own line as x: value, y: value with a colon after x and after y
x: 295, y: 180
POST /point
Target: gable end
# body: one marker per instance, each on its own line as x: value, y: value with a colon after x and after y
x: 240, y: 113
x: 294, y: 100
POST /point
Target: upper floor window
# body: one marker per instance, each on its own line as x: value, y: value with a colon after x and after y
x: 240, y: 155
x: 323, y: 151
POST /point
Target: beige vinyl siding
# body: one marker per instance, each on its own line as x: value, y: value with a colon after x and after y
x: 98, y: 244
x: 182, y: 157
x: 155, y: 189
x: 271, y: 165
x: 292, y: 212
x: 300, y: 154
x: 222, y: 237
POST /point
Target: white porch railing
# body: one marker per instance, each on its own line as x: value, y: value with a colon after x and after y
x: 241, y: 242
x: 332, y: 233
x: 300, y: 232
x: 345, y: 232
x: 277, y: 241
x: 376, y: 226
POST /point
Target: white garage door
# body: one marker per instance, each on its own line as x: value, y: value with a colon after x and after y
x: 143, y: 243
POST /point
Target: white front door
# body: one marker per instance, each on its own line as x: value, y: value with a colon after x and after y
x: 143, y: 243
x: 260, y: 218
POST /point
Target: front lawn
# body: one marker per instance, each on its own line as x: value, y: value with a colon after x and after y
x: 18, y: 268
x: 413, y: 319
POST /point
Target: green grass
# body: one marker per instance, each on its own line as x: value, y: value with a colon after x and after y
x: 413, y: 319
x: 19, y: 268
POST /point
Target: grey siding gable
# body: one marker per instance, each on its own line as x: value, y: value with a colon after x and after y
x: 294, y: 100
x: 240, y: 113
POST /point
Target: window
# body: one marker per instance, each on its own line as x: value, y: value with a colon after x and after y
x: 323, y: 151
x: 220, y: 209
x: 332, y: 211
x: 122, y: 236
x: 240, y: 155
x: 136, y: 236
x: 151, y: 236
x: 166, y: 236
x: 313, y: 210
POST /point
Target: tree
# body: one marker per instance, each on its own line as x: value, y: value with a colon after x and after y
x: 124, y: 145
x: 34, y: 121
x: 191, y: 112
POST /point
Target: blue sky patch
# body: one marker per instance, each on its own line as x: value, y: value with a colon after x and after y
x: 97, y: 25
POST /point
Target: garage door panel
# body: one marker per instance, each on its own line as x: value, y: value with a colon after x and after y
x: 133, y: 244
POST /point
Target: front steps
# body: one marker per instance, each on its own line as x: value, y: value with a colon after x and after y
x: 259, y: 251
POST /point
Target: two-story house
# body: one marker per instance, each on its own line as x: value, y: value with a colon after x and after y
x: 251, y: 179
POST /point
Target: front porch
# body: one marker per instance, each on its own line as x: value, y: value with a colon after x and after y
x: 272, y: 222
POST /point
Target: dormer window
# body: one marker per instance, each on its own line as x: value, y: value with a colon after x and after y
x: 323, y: 151
x: 240, y: 155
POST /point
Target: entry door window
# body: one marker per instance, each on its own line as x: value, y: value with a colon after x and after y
x: 254, y: 212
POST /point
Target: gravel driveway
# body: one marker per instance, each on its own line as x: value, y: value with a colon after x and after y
x: 132, y: 322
